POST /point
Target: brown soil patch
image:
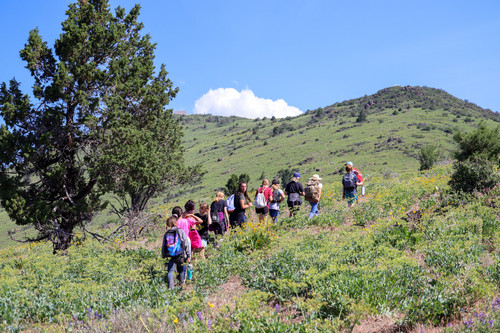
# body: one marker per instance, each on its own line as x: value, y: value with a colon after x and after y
x: 377, y: 325
x: 421, y: 328
x: 227, y: 294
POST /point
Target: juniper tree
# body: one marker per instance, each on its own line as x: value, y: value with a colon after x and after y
x: 96, y: 122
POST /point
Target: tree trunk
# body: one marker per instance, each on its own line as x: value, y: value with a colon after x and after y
x: 63, y: 237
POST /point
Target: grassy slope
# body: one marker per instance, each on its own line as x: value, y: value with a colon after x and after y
x: 321, y: 140
x: 366, y: 265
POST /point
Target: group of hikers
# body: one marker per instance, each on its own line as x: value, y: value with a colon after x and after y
x: 188, y: 232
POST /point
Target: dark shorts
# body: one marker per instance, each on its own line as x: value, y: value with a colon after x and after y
x: 237, y: 218
x: 294, y: 200
x: 263, y: 211
x: 292, y: 204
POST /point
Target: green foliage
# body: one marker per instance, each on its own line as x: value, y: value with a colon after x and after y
x: 361, y: 116
x: 474, y: 174
x: 284, y: 176
x: 233, y: 182
x: 283, y: 127
x: 428, y: 156
x: 98, y: 123
x: 484, y: 142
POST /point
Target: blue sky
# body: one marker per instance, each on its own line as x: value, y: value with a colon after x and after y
x: 276, y: 57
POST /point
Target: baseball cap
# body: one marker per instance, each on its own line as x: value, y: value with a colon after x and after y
x: 296, y: 174
x: 348, y: 163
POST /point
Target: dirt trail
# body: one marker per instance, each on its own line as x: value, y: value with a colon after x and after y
x: 231, y: 290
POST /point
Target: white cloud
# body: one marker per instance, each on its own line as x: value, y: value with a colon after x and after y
x: 230, y: 102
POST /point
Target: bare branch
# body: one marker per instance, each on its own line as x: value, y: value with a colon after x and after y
x: 28, y: 239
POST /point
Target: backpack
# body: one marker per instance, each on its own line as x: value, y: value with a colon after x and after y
x: 173, y: 243
x: 276, y: 196
x: 215, y: 216
x: 349, y: 180
x: 260, y: 200
x: 230, y: 203
x: 312, y: 191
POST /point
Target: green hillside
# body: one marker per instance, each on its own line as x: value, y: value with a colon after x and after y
x: 411, y: 256
x: 399, y: 120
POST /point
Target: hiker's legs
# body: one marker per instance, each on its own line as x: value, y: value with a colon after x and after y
x: 202, y: 253
x: 351, y: 198
x: 181, y: 269
x: 314, y: 210
x: 290, y: 209
x: 170, y: 275
x: 274, y: 213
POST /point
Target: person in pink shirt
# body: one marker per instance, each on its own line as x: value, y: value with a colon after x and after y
x: 188, y: 219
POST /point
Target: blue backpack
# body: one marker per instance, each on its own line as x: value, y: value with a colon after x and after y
x: 173, y: 243
x: 349, y: 180
x: 230, y: 203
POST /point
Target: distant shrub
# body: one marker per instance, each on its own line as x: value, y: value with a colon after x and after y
x: 284, y: 176
x: 234, y: 181
x: 361, y: 116
x: 483, y: 142
x: 428, y: 156
x: 283, y: 127
x: 474, y: 174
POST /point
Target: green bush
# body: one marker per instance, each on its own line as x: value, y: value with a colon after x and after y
x: 473, y: 174
x: 428, y: 156
x: 482, y: 142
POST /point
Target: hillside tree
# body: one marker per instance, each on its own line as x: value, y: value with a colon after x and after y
x: 478, y: 160
x: 428, y: 156
x: 96, y: 122
x: 234, y: 181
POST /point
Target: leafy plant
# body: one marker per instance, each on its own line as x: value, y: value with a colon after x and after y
x: 428, y: 156
x: 474, y: 174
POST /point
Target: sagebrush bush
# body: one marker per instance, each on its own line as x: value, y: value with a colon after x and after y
x: 474, y: 174
x: 428, y: 156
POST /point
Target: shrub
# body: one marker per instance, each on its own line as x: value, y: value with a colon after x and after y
x: 361, y: 117
x: 482, y: 142
x: 428, y: 156
x: 474, y: 174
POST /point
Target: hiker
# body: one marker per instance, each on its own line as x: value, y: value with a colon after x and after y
x: 294, y: 190
x: 359, y: 176
x: 277, y: 197
x: 241, y: 202
x: 313, y: 194
x: 219, y: 214
x: 205, y: 216
x: 177, y: 212
x: 262, y: 197
x: 177, y: 249
x: 349, y: 183
x: 187, y: 220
